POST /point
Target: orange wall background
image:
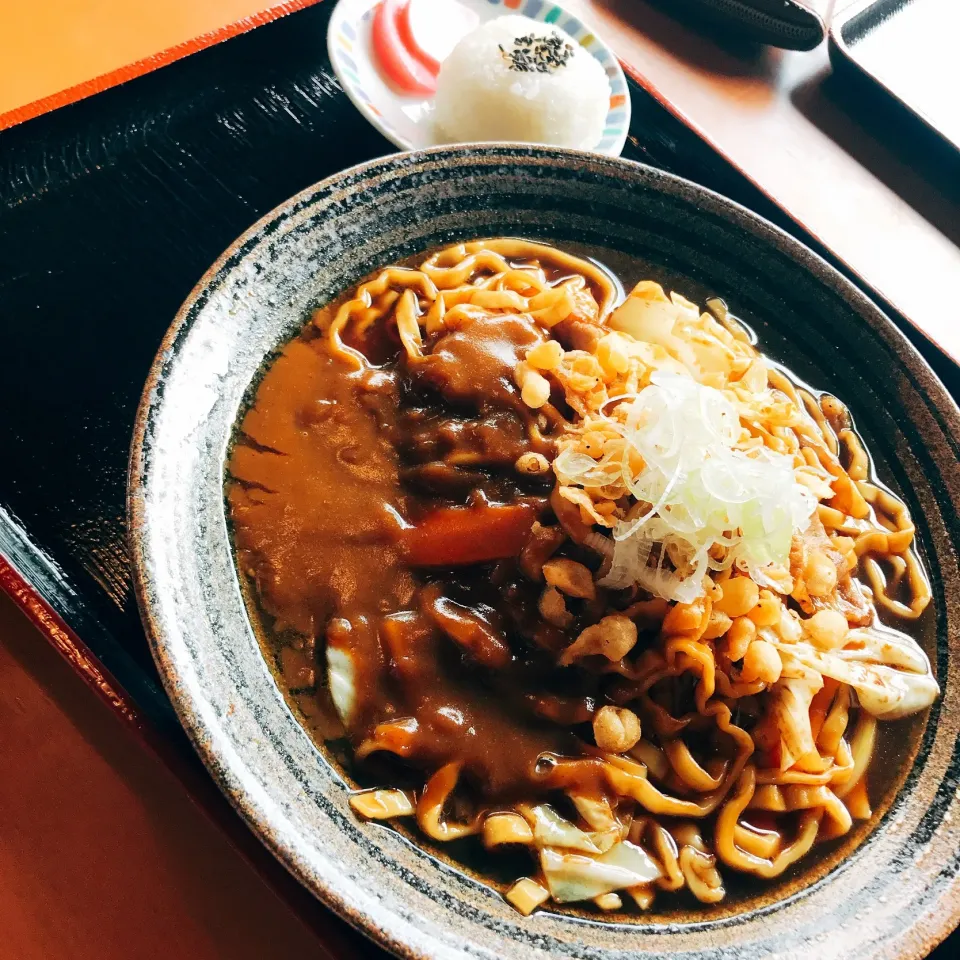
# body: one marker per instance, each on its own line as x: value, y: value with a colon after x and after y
x: 56, y: 51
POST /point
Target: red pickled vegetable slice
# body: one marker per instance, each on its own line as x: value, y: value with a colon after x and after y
x: 458, y: 536
x: 410, y: 41
x: 399, y: 65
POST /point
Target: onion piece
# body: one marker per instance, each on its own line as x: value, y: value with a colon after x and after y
x: 573, y: 877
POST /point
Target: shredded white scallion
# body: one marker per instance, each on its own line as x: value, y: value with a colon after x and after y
x: 703, y: 503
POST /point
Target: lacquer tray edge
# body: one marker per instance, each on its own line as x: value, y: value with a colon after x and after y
x: 147, y: 64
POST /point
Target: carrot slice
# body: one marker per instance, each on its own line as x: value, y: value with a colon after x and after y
x: 399, y: 64
x: 457, y: 536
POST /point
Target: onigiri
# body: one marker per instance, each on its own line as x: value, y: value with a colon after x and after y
x: 514, y: 78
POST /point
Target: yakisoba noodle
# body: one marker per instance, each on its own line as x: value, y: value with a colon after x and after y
x: 603, y: 577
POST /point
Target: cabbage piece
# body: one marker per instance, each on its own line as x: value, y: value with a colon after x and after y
x: 599, y: 815
x: 572, y: 877
x: 631, y: 857
x: 882, y: 645
x: 605, y: 839
x: 341, y: 678
x: 711, y: 357
x: 887, y: 669
x: 676, y: 326
x: 648, y: 316
x: 790, y: 707
x: 550, y: 829
x: 596, y: 811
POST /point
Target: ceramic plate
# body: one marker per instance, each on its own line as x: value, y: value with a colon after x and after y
x: 407, y: 120
x: 889, y: 892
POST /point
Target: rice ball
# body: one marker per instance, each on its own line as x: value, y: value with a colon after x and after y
x: 514, y: 78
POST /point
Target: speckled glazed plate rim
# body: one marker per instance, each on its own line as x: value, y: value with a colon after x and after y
x: 230, y: 727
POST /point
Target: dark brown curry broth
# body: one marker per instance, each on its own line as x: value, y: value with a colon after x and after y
x: 289, y: 653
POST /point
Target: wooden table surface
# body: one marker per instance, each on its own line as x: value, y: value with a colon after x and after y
x: 103, y: 853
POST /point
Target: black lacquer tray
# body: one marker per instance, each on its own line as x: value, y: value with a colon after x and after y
x: 111, y: 209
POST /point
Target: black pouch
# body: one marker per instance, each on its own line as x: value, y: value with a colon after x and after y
x: 781, y: 23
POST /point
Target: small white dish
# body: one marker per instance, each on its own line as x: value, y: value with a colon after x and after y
x: 407, y: 120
